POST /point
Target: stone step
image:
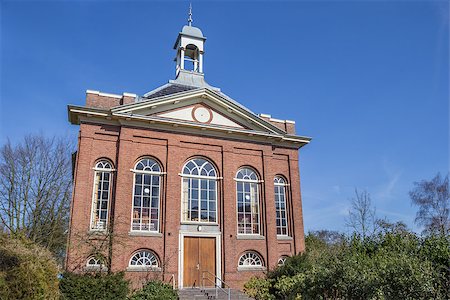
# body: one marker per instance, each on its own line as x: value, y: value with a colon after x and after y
x: 210, y: 294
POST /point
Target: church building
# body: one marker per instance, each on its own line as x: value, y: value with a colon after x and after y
x: 183, y: 183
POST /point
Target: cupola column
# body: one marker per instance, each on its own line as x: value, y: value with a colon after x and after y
x: 182, y: 58
x: 200, y: 62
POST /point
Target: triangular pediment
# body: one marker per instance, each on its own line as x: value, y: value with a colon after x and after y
x: 202, y: 106
x: 199, y: 113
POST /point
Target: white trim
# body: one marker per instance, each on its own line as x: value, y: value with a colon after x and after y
x: 92, y: 92
x: 286, y: 211
x: 142, y: 269
x: 101, y: 169
x: 220, y: 100
x: 147, y: 172
x: 265, y: 116
x: 129, y: 95
x: 103, y: 94
x: 199, y: 204
x: 182, y: 235
x: 199, y: 176
x: 89, y: 112
x: 258, y: 202
x: 249, y: 236
x: 144, y: 233
x: 276, y: 120
x: 251, y: 268
x: 94, y: 192
x: 284, y: 237
x: 159, y: 202
x: 199, y: 125
x: 248, y: 180
x: 199, y: 223
x: 289, y: 121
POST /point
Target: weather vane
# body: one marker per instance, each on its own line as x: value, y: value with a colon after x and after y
x: 190, y: 15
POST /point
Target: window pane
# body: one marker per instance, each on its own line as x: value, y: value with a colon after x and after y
x: 147, y: 179
x: 203, y: 184
x: 146, y: 196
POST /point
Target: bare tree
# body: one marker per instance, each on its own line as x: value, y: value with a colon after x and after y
x: 98, y: 244
x: 330, y: 237
x: 433, y: 199
x: 361, y: 215
x: 35, y: 190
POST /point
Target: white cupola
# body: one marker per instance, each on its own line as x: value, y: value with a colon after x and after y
x: 189, y: 46
x: 189, y: 60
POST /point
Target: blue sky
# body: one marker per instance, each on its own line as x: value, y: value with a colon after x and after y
x: 367, y: 80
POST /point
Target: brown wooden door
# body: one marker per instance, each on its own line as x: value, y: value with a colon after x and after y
x: 199, y: 256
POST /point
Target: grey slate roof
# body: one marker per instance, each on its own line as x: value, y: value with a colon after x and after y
x: 167, y: 89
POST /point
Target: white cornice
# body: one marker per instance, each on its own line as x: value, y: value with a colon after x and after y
x: 276, y: 120
x: 265, y: 116
x: 129, y: 95
x: 104, y: 94
x: 225, y: 133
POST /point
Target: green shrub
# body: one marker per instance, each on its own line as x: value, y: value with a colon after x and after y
x: 390, y: 265
x: 27, y: 271
x: 258, y: 288
x: 93, y: 286
x: 155, y: 290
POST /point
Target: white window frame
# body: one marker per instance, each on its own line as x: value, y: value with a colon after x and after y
x: 151, y: 267
x: 243, y: 267
x: 100, y: 170
x: 281, y: 183
x: 254, y: 184
x: 282, y: 260
x: 152, y: 173
x: 186, y: 197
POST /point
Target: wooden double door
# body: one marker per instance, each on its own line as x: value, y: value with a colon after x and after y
x: 199, y: 256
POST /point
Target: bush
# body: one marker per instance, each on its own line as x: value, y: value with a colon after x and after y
x: 155, y: 290
x: 258, y: 288
x: 27, y: 271
x: 96, y: 286
x: 390, y: 265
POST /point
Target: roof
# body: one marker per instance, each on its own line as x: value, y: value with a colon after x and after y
x: 167, y: 89
x: 192, y: 31
x: 172, y: 88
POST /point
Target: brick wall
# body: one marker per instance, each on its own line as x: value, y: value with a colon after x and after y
x: 124, y: 146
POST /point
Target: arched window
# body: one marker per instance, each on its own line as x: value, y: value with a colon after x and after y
x: 146, y: 196
x: 144, y: 259
x: 280, y: 205
x: 250, y: 259
x: 247, y: 189
x: 282, y: 260
x: 94, y: 262
x: 199, y: 191
x: 101, y: 195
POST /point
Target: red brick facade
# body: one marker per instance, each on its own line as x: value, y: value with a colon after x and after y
x: 124, y: 145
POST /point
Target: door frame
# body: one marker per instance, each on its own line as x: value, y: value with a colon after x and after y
x: 182, y: 235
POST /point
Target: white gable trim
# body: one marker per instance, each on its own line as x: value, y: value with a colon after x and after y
x: 202, y: 93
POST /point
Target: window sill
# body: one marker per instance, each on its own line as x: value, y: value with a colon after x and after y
x: 251, y: 269
x: 250, y: 237
x: 95, y: 269
x: 284, y: 238
x: 97, y: 232
x: 143, y: 269
x: 145, y: 233
x: 199, y: 223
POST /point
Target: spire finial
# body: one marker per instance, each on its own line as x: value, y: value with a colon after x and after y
x: 190, y: 15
